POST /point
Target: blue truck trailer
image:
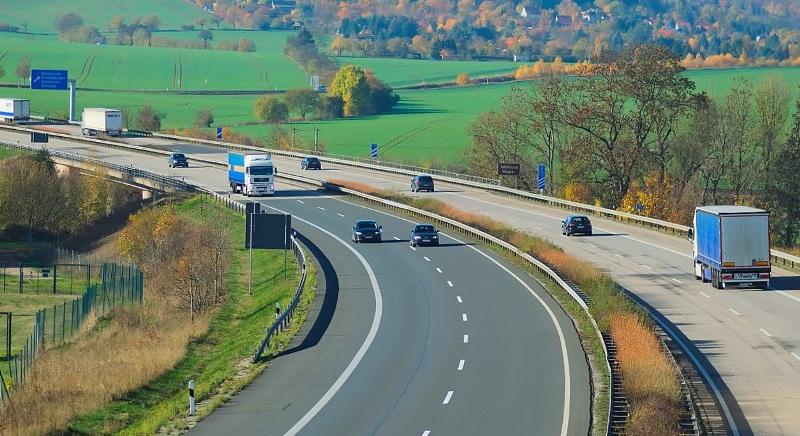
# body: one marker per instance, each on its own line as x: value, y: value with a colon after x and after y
x: 731, y: 246
x: 251, y: 174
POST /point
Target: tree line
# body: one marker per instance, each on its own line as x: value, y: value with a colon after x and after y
x: 629, y: 131
x: 37, y: 200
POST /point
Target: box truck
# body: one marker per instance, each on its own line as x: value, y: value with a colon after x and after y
x: 100, y: 120
x: 251, y: 174
x: 14, y: 109
x: 731, y: 246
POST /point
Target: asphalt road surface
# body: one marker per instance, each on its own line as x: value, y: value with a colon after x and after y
x: 746, y: 341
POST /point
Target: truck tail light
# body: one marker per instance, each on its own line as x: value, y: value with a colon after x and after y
x: 763, y: 275
x: 762, y: 263
x: 727, y: 277
x: 728, y: 263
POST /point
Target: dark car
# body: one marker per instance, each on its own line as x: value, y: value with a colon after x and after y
x: 576, y: 224
x: 422, y: 183
x: 424, y: 234
x: 310, y: 163
x: 178, y: 160
x: 366, y: 230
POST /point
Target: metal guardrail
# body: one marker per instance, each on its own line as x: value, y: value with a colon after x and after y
x: 284, y: 320
x: 491, y: 185
x: 339, y: 159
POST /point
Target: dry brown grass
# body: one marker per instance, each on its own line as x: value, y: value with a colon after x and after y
x: 650, y: 381
x: 137, y: 345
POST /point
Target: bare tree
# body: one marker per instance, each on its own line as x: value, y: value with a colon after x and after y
x: 771, y: 97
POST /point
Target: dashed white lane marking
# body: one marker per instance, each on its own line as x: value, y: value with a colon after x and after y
x: 795, y: 355
x: 461, y: 365
x: 426, y: 258
x: 447, y: 397
x: 466, y: 339
x: 676, y: 280
x: 619, y: 256
x: 320, y: 208
x: 413, y: 248
x: 396, y: 238
x: 458, y: 297
x: 464, y: 317
x: 646, y: 267
x: 538, y: 228
x: 340, y: 215
x: 449, y: 283
x: 704, y: 294
x: 734, y: 312
x: 591, y: 245
x: 301, y: 201
x: 426, y: 433
x: 765, y: 332
x: 439, y: 269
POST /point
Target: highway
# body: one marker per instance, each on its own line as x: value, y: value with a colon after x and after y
x: 426, y: 340
x: 746, y: 341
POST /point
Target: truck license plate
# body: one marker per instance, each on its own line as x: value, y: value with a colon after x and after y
x: 745, y: 276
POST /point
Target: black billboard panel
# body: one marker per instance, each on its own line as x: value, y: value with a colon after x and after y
x: 269, y: 230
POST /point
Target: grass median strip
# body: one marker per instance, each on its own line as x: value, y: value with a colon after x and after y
x: 650, y: 379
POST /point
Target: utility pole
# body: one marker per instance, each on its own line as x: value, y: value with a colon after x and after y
x: 316, y: 139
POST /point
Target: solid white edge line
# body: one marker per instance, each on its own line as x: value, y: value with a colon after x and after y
x: 466, y: 339
x: 461, y: 364
x: 458, y: 297
x: 373, y: 331
x: 768, y: 334
x: 449, y: 283
x: 796, y: 356
x: 734, y: 312
x: 562, y: 340
x: 787, y: 295
x: 464, y: 317
x: 447, y: 397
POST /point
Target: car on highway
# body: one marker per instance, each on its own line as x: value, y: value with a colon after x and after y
x: 310, y: 163
x: 178, y: 160
x: 422, y: 182
x: 575, y: 224
x: 424, y: 234
x: 367, y: 230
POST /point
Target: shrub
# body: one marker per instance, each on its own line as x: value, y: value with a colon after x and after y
x: 462, y: 79
x: 205, y: 118
x: 147, y: 119
x: 271, y: 109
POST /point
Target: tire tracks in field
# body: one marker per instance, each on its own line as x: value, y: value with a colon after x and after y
x: 399, y: 139
x: 88, y: 63
x: 89, y: 70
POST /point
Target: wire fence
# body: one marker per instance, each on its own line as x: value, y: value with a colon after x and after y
x: 26, y: 334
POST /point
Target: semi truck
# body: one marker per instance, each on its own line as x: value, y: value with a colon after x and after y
x: 14, y: 109
x: 731, y: 246
x: 251, y: 174
x: 101, y: 120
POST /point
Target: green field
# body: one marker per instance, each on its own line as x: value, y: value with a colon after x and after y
x: 153, y: 68
x: 404, y: 72
x: 41, y: 14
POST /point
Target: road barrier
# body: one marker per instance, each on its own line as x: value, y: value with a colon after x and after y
x: 482, y: 183
x: 570, y: 288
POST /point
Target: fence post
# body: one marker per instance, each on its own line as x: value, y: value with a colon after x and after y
x: 21, y: 277
x: 191, y: 398
x: 63, y: 320
x: 55, y: 278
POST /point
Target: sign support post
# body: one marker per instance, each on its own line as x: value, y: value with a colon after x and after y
x: 72, y: 84
x: 250, y: 269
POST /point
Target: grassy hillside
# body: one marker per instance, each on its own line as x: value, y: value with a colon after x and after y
x: 40, y: 14
x: 404, y: 72
x: 136, y: 68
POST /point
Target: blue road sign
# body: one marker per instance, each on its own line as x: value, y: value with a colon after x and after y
x: 373, y: 152
x: 49, y: 79
x: 542, y: 179
x: 219, y: 132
